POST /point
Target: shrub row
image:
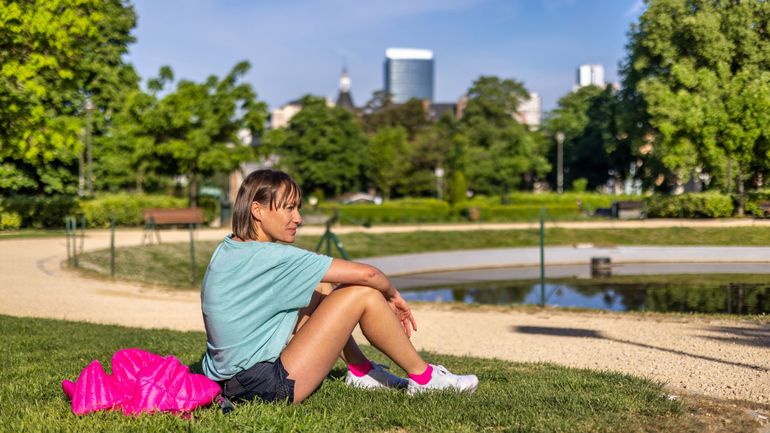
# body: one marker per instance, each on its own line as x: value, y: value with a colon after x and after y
x: 395, y: 211
x: 694, y: 205
x: 126, y: 209
x: 37, y: 211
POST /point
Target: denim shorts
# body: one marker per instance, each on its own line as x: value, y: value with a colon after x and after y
x: 266, y: 380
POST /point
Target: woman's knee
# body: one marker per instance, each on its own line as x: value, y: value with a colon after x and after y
x: 362, y: 294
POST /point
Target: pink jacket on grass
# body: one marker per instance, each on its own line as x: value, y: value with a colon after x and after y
x: 140, y: 382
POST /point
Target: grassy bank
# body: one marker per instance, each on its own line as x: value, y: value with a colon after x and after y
x: 169, y: 264
x: 37, y: 354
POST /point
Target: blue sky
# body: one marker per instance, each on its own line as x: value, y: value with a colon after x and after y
x: 297, y: 47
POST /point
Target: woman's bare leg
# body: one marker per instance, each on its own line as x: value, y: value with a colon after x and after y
x: 312, y: 352
x: 351, y: 353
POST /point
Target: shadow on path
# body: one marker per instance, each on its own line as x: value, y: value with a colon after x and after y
x: 590, y: 333
x: 735, y: 335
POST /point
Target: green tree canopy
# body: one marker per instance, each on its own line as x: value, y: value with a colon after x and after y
x: 56, y: 54
x: 324, y: 148
x: 592, y: 147
x: 501, y: 153
x: 197, y: 128
x: 702, y: 68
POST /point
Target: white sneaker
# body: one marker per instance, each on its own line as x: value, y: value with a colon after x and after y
x: 441, y: 379
x: 377, y: 377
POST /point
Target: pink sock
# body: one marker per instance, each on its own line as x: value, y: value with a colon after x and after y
x: 423, y: 377
x: 361, y: 369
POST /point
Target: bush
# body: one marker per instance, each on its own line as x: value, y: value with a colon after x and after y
x: 394, y: 211
x: 694, y: 205
x: 752, y: 201
x: 125, y: 208
x: 10, y: 221
x: 503, y: 213
x: 40, y: 211
x: 210, y: 206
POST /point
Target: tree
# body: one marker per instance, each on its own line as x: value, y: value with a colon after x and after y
x: 501, y: 153
x: 55, y: 54
x: 702, y: 68
x: 592, y: 144
x: 381, y: 112
x: 323, y: 148
x: 388, y: 158
x: 196, y: 128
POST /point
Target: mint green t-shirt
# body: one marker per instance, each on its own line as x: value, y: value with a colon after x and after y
x: 250, y: 297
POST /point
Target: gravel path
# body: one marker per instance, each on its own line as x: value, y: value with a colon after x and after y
x: 719, y: 358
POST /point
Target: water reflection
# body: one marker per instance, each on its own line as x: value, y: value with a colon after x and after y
x: 718, y: 293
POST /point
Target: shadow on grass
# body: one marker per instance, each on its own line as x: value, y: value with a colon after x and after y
x: 590, y: 333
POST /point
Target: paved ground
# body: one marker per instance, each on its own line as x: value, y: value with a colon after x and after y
x: 720, y: 358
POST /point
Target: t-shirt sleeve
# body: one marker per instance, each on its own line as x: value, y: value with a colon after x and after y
x: 299, y: 273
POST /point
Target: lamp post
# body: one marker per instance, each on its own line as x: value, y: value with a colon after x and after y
x: 439, y: 172
x: 89, y: 156
x: 559, y: 162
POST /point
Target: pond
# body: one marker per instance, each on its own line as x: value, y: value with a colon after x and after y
x: 735, y: 288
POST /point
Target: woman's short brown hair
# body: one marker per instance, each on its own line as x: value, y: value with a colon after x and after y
x: 267, y: 187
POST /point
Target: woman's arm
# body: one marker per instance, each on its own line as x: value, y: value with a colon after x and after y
x: 346, y: 272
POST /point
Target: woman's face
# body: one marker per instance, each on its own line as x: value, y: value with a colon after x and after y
x: 277, y: 224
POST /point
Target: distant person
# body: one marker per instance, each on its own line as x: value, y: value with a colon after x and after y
x: 277, y: 317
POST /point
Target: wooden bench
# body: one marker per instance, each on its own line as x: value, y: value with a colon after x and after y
x: 764, y: 206
x: 169, y: 216
x: 627, y: 210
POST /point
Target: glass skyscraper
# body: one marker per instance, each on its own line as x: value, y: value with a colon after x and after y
x: 409, y: 74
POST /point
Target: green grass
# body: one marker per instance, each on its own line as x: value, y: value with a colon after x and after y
x: 38, y: 353
x: 30, y: 233
x: 169, y: 264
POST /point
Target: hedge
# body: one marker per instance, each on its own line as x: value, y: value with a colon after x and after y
x: 125, y: 208
x: 37, y: 211
x: 691, y: 205
x: 394, y: 211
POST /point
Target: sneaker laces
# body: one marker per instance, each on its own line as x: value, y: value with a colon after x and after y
x: 441, y: 370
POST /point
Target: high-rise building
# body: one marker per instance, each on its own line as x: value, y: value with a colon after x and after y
x: 590, y: 75
x: 409, y: 74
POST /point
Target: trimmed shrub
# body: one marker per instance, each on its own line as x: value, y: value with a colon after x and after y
x: 210, y: 205
x: 125, y: 208
x: 40, y: 211
x: 752, y: 202
x: 503, y: 213
x: 394, y: 211
x: 10, y: 221
x: 693, y: 205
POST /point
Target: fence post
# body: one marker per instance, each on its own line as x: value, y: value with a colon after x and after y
x: 192, y: 253
x: 67, y: 235
x: 112, y: 247
x: 542, y: 257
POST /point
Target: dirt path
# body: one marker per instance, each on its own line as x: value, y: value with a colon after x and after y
x: 719, y: 358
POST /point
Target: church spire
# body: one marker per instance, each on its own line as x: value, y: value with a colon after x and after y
x: 344, y: 98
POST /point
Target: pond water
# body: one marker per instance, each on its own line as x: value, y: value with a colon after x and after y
x: 742, y: 288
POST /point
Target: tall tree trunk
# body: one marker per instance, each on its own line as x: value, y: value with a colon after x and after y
x: 740, y: 189
x: 139, y: 178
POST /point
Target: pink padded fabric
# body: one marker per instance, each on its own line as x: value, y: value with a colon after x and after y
x: 140, y: 382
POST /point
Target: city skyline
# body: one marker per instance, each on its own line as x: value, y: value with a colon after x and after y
x: 299, y: 47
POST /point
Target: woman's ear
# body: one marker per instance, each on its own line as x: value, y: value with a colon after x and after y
x: 256, y: 210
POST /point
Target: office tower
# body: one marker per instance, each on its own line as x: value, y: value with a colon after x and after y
x: 590, y: 75
x: 409, y: 74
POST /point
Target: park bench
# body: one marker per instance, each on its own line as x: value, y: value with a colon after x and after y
x: 765, y: 207
x: 153, y: 218
x: 627, y: 209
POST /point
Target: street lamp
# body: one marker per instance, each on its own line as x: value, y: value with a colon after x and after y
x: 439, y: 173
x: 89, y: 156
x: 559, y: 162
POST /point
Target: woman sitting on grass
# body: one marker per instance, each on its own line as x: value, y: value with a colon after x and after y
x: 274, y: 332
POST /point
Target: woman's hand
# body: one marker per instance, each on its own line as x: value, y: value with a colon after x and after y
x: 403, y: 313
